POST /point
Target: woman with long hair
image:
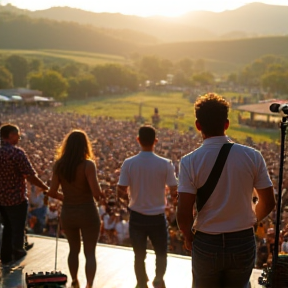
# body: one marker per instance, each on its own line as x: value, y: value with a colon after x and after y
x: 75, y: 171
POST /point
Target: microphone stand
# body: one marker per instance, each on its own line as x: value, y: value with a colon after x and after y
x: 283, y: 126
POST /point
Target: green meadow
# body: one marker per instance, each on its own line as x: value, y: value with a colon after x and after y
x: 91, y: 59
x: 173, y: 108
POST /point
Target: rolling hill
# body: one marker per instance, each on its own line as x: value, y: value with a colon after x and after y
x: 20, y: 32
x: 251, y: 20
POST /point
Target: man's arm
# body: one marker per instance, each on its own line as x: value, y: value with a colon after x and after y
x: 53, y: 191
x: 185, y: 216
x: 122, y: 193
x: 33, y: 179
x: 266, y: 202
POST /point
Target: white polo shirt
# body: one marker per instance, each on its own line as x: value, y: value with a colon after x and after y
x: 147, y: 174
x: 229, y: 208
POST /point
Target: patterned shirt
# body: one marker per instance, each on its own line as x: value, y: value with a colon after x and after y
x: 14, y: 166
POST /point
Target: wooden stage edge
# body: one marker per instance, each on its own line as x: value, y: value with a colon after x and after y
x: 115, y: 266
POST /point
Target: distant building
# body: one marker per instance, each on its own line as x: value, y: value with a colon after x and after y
x: 26, y: 94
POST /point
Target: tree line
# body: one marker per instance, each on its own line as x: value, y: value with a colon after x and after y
x: 78, y: 81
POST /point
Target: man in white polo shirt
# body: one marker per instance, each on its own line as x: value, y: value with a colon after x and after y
x: 147, y: 175
x: 222, y: 232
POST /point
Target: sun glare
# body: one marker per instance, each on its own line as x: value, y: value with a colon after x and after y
x: 169, y: 8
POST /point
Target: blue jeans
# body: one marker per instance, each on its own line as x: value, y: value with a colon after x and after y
x: 14, y: 219
x: 223, y: 260
x: 143, y: 226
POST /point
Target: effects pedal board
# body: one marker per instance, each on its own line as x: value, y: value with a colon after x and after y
x: 47, y: 279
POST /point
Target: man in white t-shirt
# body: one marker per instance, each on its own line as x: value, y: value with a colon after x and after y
x: 147, y: 175
x: 224, y: 249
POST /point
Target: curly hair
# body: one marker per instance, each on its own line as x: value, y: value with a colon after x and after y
x: 211, y: 111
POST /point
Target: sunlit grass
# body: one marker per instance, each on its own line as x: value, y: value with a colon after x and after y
x: 125, y: 107
x: 87, y: 58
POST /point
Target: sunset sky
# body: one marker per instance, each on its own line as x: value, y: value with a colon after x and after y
x: 140, y: 8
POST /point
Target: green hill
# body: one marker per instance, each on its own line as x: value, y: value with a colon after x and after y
x: 22, y: 32
x: 231, y: 52
x: 19, y: 32
x: 64, y: 56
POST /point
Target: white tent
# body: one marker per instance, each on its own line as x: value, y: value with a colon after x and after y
x: 39, y: 98
x: 16, y: 98
x: 4, y: 98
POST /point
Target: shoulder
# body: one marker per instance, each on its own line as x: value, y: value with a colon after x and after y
x: 89, y: 164
x: 188, y: 157
x: 245, y: 149
x: 162, y: 159
x: 131, y: 159
x: 18, y: 151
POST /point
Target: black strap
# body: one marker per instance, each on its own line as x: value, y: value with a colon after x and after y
x: 204, y: 192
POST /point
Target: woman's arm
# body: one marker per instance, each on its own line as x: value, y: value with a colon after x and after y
x: 91, y: 175
x: 53, y: 190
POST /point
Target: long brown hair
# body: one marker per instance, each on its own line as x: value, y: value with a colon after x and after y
x: 74, y: 149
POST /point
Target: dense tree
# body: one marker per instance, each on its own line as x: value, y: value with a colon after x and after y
x: 19, y: 68
x: 54, y: 85
x: 186, y: 66
x: 71, y: 70
x: 6, y: 78
x: 276, y: 81
x: 51, y: 83
x: 82, y: 87
x: 115, y: 75
x: 180, y: 79
x: 252, y: 73
x: 154, y: 68
x: 35, y: 65
x: 36, y: 81
x: 204, y: 78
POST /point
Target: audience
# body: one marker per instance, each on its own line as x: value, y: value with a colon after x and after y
x: 113, y: 141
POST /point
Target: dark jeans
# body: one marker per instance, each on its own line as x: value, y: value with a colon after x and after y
x: 13, y: 219
x: 223, y: 260
x: 143, y: 226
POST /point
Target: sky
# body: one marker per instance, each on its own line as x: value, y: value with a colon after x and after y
x: 169, y: 8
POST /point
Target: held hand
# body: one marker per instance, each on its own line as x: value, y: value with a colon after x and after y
x: 188, y: 244
x: 188, y: 241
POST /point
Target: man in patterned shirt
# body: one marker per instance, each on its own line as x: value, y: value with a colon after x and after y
x: 15, y: 168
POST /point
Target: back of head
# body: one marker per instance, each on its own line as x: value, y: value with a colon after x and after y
x: 211, y: 111
x: 147, y: 135
x: 75, y: 148
x: 6, y: 129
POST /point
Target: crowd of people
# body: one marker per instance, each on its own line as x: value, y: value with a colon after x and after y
x: 113, y: 141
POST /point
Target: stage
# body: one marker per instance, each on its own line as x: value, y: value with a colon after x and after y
x: 114, y: 266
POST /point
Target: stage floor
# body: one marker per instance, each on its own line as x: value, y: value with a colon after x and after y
x: 114, y: 266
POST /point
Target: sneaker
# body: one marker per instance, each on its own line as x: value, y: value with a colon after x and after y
x: 159, y: 284
x: 28, y: 246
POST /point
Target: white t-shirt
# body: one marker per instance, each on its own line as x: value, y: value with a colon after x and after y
x: 108, y: 224
x: 122, y: 229
x: 102, y: 210
x: 147, y: 174
x: 229, y: 208
x: 284, y: 247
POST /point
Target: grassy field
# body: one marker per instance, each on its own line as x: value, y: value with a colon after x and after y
x: 87, y: 58
x: 125, y: 107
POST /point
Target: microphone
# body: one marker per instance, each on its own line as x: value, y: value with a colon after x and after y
x: 279, y: 108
